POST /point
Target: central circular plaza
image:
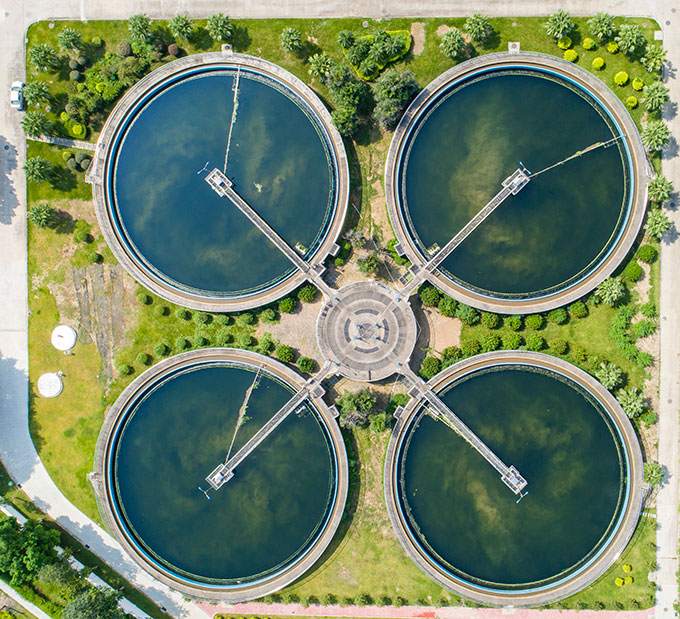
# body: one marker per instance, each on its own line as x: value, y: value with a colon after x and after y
x: 367, y: 331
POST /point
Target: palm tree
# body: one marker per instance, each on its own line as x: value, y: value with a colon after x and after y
x: 655, y: 95
x: 42, y: 57
x: 320, y: 66
x: 37, y: 169
x: 36, y: 92
x: 140, y: 28
x: 657, y: 223
x: 631, y: 39
x: 602, y: 26
x: 345, y: 39
x: 654, y: 57
x: 181, y: 27
x: 632, y: 401
x: 219, y: 27
x: 69, y: 39
x: 478, y: 27
x: 653, y: 473
x: 453, y: 43
x: 655, y: 135
x: 41, y: 215
x: 291, y: 40
x: 559, y: 24
x: 660, y: 189
x: 34, y: 124
x: 609, y: 375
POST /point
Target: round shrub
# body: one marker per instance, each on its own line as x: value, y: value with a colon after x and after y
x: 82, y: 60
x: 83, y: 236
x: 627, y: 568
x: 430, y: 296
x: 72, y: 165
x: 578, y: 309
x: 429, y: 367
x: 338, y: 262
x: 161, y: 310
x: 564, y: 42
x: 631, y: 102
x: 588, y: 43
x: 628, y: 580
x: 173, y: 49
x: 74, y: 76
x: 85, y: 164
x: 632, y: 272
x: 307, y: 293
x: 471, y: 348
x: 201, y: 340
x: 224, y: 338
x: 143, y: 358
x: 268, y: 315
x: 306, y: 365
x: 514, y: 322
x: 80, y: 155
x: 182, y: 343
x: 535, y: 342
x: 578, y: 354
x: 124, y: 49
x: 490, y: 341
x: 512, y: 341
x: 161, y: 349
x: 285, y: 353
x: 94, y: 258
x: 618, y: 581
x: 447, y: 306
x: 96, y: 42
x: 67, y: 154
x: 570, y: 55
x: 558, y: 316
x: 612, y: 47
x: 534, y: 321
x: 246, y: 318
x: 201, y: 318
x: 638, y: 84
x: 77, y: 131
x: 222, y: 319
x: 491, y: 321
x: 560, y: 346
x: 182, y: 313
x: 144, y: 298
x: 452, y: 353
x: 287, y: 305
x: 597, y: 63
x: 647, y: 253
x: 73, y: 64
x: 621, y: 78
x: 125, y: 369
x: 466, y: 314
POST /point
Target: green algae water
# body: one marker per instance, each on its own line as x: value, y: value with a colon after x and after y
x: 559, y: 439
x: 559, y: 227
x: 279, y: 161
x: 258, y: 522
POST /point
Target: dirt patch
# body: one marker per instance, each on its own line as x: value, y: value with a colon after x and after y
x: 418, y: 34
x: 444, y: 332
x: 298, y: 329
x: 443, y: 29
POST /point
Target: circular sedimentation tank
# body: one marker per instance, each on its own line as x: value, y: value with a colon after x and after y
x: 172, y: 427
x: 564, y: 433
x: 562, y: 233
x: 165, y: 223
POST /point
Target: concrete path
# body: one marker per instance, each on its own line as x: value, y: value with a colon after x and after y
x: 416, y: 612
x: 669, y: 387
x: 19, y: 599
x: 16, y: 448
x: 66, y: 142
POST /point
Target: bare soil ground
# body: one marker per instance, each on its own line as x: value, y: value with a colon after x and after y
x: 418, y: 34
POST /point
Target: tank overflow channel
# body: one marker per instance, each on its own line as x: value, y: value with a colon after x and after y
x: 224, y: 188
x: 511, y: 186
x: 438, y: 410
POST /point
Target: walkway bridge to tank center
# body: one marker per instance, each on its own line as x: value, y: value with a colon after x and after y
x: 437, y: 409
x: 224, y: 187
x: 312, y: 389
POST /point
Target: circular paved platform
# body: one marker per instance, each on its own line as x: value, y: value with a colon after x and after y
x: 367, y: 330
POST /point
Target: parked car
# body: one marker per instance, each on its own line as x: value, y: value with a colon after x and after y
x: 16, y: 96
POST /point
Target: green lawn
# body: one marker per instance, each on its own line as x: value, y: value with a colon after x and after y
x: 365, y: 556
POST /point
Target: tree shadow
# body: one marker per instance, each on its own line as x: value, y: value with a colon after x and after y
x: 493, y: 41
x: 63, y: 223
x: 241, y: 40
x: 308, y: 50
x: 671, y: 150
x: 670, y: 236
x: 63, y: 179
x: 8, y: 195
x: 200, y: 38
